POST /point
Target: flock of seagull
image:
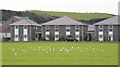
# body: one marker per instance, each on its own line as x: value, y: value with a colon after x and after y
x: 49, y: 49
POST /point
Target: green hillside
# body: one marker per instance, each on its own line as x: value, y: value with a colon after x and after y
x: 74, y: 15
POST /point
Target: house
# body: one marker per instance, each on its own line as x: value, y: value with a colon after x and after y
x: 6, y: 34
x: 25, y: 30
x: 62, y: 27
x: 108, y: 30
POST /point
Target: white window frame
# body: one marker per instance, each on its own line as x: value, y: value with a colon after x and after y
x: 100, y: 33
x: 25, y: 33
x: 16, y: 31
x: 68, y: 32
x: 47, y: 32
x: 110, y: 33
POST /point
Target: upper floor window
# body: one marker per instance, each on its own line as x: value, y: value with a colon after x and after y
x: 47, y: 28
x: 77, y: 28
x: 25, y: 27
x: 67, y: 26
x: 110, y: 27
x: 56, y: 28
x: 16, y: 27
x: 101, y: 28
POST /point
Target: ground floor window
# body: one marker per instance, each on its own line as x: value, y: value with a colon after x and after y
x: 56, y: 37
x: 100, y: 37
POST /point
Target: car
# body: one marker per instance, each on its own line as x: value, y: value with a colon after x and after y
x: 70, y: 39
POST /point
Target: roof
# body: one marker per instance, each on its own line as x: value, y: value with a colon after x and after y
x: 90, y: 27
x: 111, y: 21
x: 63, y: 21
x: 25, y: 22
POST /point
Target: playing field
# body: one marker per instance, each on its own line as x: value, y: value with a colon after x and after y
x: 59, y: 53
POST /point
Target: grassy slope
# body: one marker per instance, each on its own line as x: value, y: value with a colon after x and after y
x: 36, y: 57
x: 77, y: 16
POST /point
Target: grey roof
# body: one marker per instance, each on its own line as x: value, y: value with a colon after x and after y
x: 90, y: 27
x: 63, y: 21
x: 25, y: 22
x: 111, y: 21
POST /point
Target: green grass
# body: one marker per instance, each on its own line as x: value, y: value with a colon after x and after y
x: 0, y: 54
x: 82, y: 53
x: 77, y: 16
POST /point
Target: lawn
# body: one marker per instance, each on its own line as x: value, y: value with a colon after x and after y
x: 59, y: 53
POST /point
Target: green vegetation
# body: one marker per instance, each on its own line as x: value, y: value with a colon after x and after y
x: 0, y: 54
x: 57, y: 53
x: 77, y: 16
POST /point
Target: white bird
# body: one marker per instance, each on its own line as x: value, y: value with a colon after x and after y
x: 13, y: 49
x: 61, y: 50
x: 15, y: 53
x: 67, y: 51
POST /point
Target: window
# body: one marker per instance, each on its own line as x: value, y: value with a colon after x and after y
x: 100, y: 28
x: 77, y: 30
x: 47, y: 28
x: 110, y: 27
x: 25, y: 36
x: 56, y: 28
x: 16, y: 36
x: 16, y: 27
x: 47, y: 36
x: 67, y: 26
x: 77, y: 36
x: 77, y: 26
x: 25, y: 27
x: 100, y: 36
x: 56, y: 36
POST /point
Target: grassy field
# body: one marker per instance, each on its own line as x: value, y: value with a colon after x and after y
x: 77, y: 16
x: 0, y: 54
x: 60, y: 53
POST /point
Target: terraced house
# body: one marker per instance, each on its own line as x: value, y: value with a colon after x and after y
x: 62, y: 27
x: 108, y: 30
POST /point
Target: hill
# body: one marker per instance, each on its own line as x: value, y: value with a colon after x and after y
x: 74, y: 15
x: 44, y: 16
x: 6, y: 14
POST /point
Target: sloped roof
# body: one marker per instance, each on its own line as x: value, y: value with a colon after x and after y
x: 90, y: 27
x: 25, y: 22
x: 63, y: 21
x: 111, y: 21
